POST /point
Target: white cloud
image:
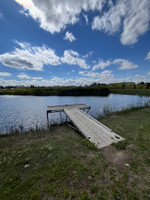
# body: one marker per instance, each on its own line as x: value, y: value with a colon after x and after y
x: 23, y: 76
x: 148, y: 73
x: 136, y: 22
x: 148, y: 56
x: 133, y: 16
x: 86, y: 78
x: 37, y: 78
x: 72, y: 58
x: 30, y: 57
x: 86, y: 19
x: 101, y: 64
x: 110, y: 22
x: 69, y: 36
x: 110, y: 3
x: 139, y: 76
x: 5, y: 74
x: 130, y: 17
x: 35, y: 58
x: 53, y: 16
x: 102, y: 77
x: 88, y: 54
x: 123, y: 64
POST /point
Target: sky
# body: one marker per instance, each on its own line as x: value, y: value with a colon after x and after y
x: 67, y: 42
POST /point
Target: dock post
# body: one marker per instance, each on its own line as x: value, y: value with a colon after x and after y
x: 47, y: 119
x: 61, y: 116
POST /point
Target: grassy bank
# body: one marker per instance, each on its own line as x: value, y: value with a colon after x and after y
x: 59, y: 91
x: 58, y: 164
x: 141, y: 92
x: 73, y: 91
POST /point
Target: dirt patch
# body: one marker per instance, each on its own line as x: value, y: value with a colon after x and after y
x: 118, y: 158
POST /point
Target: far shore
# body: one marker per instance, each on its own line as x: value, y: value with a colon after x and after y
x: 73, y: 91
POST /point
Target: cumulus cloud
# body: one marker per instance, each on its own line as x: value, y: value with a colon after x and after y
x: 123, y: 64
x: 136, y: 22
x: 148, y: 73
x: 110, y: 22
x: 72, y: 58
x: 23, y: 76
x: 102, y: 77
x: 30, y: 57
x: 130, y: 17
x: 5, y: 74
x: 37, y: 78
x: 53, y: 16
x: 139, y: 76
x: 35, y: 58
x: 101, y: 64
x: 148, y: 56
x: 86, y: 78
x: 133, y: 16
x: 69, y: 36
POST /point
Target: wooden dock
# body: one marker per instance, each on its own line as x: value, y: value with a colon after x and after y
x: 89, y: 127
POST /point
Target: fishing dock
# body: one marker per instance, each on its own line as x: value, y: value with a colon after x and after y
x: 89, y: 128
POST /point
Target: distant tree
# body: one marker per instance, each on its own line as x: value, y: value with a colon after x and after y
x: 148, y: 85
x: 129, y: 85
x: 134, y: 86
x: 123, y: 85
x: 141, y: 85
x: 32, y: 86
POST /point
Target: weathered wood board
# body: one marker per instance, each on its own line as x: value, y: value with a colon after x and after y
x: 89, y: 127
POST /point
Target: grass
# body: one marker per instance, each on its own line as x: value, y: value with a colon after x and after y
x: 58, y: 91
x: 57, y: 163
x: 141, y: 92
x: 108, y: 110
x: 95, y: 90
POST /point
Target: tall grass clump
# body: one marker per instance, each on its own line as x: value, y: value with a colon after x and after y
x: 108, y: 110
x: 20, y: 129
x: 137, y: 106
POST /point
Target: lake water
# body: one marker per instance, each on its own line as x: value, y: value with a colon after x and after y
x: 30, y: 111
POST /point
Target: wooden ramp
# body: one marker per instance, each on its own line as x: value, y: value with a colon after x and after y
x: 89, y: 127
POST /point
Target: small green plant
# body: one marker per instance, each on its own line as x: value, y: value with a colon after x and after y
x: 84, y: 196
x: 94, y: 189
x: 89, y: 144
x: 121, y: 145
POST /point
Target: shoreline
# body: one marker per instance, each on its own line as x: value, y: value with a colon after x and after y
x: 21, y: 92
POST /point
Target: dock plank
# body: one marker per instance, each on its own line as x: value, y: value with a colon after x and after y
x: 100, y: 135
x: 90, y: 128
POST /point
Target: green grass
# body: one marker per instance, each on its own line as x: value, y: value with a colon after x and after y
x: 141, y: 92
x: 59, y: 91
x: 74, y: 91
x: 58, y: 163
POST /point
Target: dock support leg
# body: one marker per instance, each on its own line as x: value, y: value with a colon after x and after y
x: 47, y: 119
x: 61, y: 116
x: 88, y: 110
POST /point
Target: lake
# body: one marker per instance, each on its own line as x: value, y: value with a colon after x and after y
x: 30, y: 111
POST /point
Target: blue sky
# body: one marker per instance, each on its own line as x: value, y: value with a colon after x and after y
x: 67, y: 42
